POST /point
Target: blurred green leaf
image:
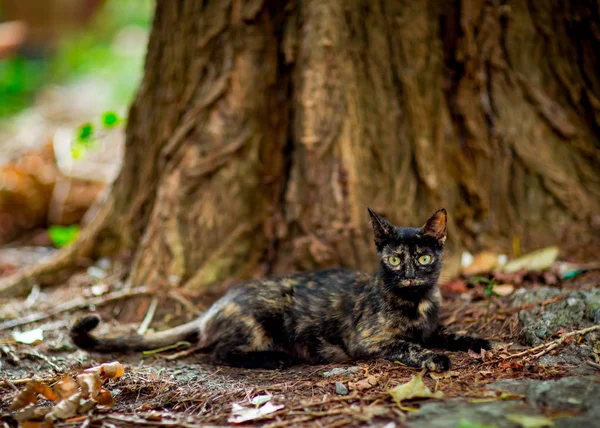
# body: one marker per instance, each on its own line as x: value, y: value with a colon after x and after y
x: 479, y: 279
x: 489, y: 290
x: 463, y: 423
x: 110, y: 119
x: 85, y: 133
x: 61, y: 236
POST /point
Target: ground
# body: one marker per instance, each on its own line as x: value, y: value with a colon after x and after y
x: 482, y: 390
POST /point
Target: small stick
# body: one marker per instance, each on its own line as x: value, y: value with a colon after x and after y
x: 177, y: 296
x: 183, y: 353
x: 15, y: 381
x: 553, y: 344
x: 36, y: 354
x: 593, y: 364
x: 77, y: 303
x: 149, y: 317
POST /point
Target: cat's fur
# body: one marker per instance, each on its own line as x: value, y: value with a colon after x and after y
x: 324, y: 316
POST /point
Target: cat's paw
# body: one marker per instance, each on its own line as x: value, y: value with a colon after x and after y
x: 477, y: 344
x: 437, y: 363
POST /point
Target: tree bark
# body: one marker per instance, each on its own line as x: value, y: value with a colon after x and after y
x: 263, y: 129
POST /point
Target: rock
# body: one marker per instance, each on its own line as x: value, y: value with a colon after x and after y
x: 341, y: 371
x: 578, y: 395
x: 341, y: 389
x: 452, y: 413
x: 578, y: 310
x: 573, y: 395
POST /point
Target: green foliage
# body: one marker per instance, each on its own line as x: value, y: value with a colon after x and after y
x: 87, y: 136
x: 95, y: 51
x: 61, y: 236
x: 20, y: 78
x: 488, y: 289
x: 110, y: 119
x: 85, y: 133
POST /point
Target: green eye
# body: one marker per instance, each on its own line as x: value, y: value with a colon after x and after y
x: 394, y: 261
x: 425, y: 260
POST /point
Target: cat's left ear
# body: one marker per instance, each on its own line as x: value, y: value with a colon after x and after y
x: 382, y: 229
x: 436, y: 226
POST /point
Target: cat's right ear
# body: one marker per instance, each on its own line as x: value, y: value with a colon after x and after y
x: 382, y: 229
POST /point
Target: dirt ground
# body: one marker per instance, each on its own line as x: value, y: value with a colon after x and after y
x: 188, y: 391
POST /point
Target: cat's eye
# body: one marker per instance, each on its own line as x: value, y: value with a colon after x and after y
x: 394, y: 261
x: 424, y: 260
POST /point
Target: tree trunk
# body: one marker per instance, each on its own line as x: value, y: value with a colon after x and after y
x: 263, y: 129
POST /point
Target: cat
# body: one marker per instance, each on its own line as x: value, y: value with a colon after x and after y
x: 326, y: 316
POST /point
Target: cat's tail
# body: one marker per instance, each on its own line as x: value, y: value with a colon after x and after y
x: 80, y: 335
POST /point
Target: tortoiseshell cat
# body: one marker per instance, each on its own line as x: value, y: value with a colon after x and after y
x: 325, y: 316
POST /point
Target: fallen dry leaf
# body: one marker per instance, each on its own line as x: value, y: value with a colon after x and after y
x: 66, y: 387
x: 71, y: 398
x: 261, y: 399
x: 483, y: 262
x: 111, y: 370
x: 363, y: 384
x: 443, y: 375
x: 528, y: 421
x: 535, y: 261
x: 457, y: 286
x: 474, y: 354
x: 504, y: 289
x: 29, y: 337
x: 105, y: 398
x: 241, y: 414
x: 66, y: 408
x: 413, y: 389
x: 29, y: 395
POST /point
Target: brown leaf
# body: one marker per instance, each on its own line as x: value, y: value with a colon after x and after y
x: 111, y: 370
x: 457, y: 286
x: 363, y: 384
x: 443, y: 375
x: 66, y: 408
x: 32, y: 424
x: 29, y: 395
x: 504, y: 289
x: 105, y: 399
x: 32, y: 413
x: 66, y: 387
x: 483, y: 262
x: 474, y: 354
x: 90, y: 383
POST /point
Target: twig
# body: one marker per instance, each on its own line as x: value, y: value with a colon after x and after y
x: 139, y: 419
x: 593, y: 364
x: 149, y: 317
x: 36, y: 354
x: 534, y: 304
x: 77, y: 303
x: 546, y: 347
x: 177, y: 296
x: 282, y: 424
x: 15, y: 381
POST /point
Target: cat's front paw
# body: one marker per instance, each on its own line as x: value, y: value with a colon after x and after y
x: 477, y: 344
x: 437, y: 363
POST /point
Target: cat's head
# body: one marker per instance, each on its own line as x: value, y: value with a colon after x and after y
x: 410, y: 256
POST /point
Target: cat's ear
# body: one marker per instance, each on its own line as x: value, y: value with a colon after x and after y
x: 382, y: 229
x: 436, y: 226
